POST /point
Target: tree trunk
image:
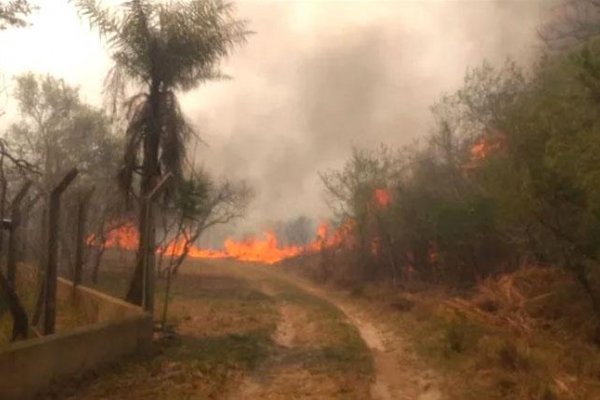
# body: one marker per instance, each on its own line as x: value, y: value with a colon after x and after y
x: 387, y: 238
x: 2, y: 206
x: 19, y: 315
x: 150, y: 173
x: 41, y: 299
x: 166, y: 302
x: 11, y: 258
x: 97, y: 261
x: 100, y: 247
x: 79, y: 240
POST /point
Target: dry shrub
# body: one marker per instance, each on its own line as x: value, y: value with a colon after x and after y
x: 532, y: 298
x: 502, y: 352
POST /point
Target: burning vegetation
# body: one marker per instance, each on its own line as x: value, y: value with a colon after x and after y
x: 265, y: 248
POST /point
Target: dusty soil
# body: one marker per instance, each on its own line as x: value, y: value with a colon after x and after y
x: 252, y: 332
x: 398, y: 372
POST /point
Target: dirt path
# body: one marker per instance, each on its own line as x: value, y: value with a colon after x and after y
x: 396, y: 375
x: 318, y: 353
x: 393, y: 379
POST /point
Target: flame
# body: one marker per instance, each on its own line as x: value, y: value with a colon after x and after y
x: 125, y: 237
x: 265, y: 249
x: 483, y: 147
x: 177, y: 247
x: 382, y: 197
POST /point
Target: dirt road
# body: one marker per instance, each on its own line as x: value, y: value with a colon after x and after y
x: 250, y: 332
x: 395, y: 375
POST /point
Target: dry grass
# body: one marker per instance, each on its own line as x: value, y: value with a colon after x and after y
x: 68, y: 315
x: 226, y: 315
x: 526, y: 335
x: 522, y: 336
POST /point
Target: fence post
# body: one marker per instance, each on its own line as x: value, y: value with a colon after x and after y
x: 83, y: 202
x: 52, y: 262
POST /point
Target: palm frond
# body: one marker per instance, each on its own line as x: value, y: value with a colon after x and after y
x: 102, y: 18
x: 164, y: 47
x: 197, y: 36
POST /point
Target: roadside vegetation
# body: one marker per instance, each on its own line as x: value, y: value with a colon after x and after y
x: 481, y: 241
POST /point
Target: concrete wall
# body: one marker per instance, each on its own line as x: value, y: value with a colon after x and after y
x: 118, y: 328
x: 97, y: 306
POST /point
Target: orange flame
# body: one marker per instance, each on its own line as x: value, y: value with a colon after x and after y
x: 125, y: 237
x: 265, y: 249
x: 483, y: 147
x: 382, y: 197
x: 176, y: 248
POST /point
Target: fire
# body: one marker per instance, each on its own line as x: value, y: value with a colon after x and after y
x: 265, y: 249
x: 486, y: 145
x: 176, y: 248
x: 382, y: 197
x: 125, y: 237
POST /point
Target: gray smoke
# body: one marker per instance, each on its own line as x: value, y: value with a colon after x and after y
x: 301, y: 98
x: 317, y: 78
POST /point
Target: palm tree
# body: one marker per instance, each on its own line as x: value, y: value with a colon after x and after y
x: 159, y: 49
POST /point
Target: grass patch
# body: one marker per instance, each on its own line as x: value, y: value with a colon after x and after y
x: 234, y: 350
x: 520, y: 337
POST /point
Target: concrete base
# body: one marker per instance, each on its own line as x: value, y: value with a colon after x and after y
x: 117, y: 329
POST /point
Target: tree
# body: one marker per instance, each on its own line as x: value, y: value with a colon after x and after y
x: 57, y: 131
x: 200, y: 204
x: 351, y: 193
x: 13, y: 13
x: 159, y: 49
x: 573, y: 23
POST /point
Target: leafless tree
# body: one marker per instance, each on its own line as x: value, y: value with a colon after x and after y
x: 572, y: 22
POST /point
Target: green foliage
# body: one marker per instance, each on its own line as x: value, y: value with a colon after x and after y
x: 57, y: 131
x: 511, y: 172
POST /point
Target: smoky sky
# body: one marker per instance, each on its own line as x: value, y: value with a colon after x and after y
x: 315, y: 79
x: 301, y: 98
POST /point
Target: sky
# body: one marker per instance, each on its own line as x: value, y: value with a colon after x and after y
x: 314, y: 80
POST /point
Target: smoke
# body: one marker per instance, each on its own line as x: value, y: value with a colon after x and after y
x: 318, y: 78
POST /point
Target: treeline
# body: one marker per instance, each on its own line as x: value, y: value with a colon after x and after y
x: 132, y: 166
x: 509, y: 176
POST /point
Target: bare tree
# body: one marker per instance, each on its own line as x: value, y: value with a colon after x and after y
x: 201, y: 205
x: 572, y: 22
